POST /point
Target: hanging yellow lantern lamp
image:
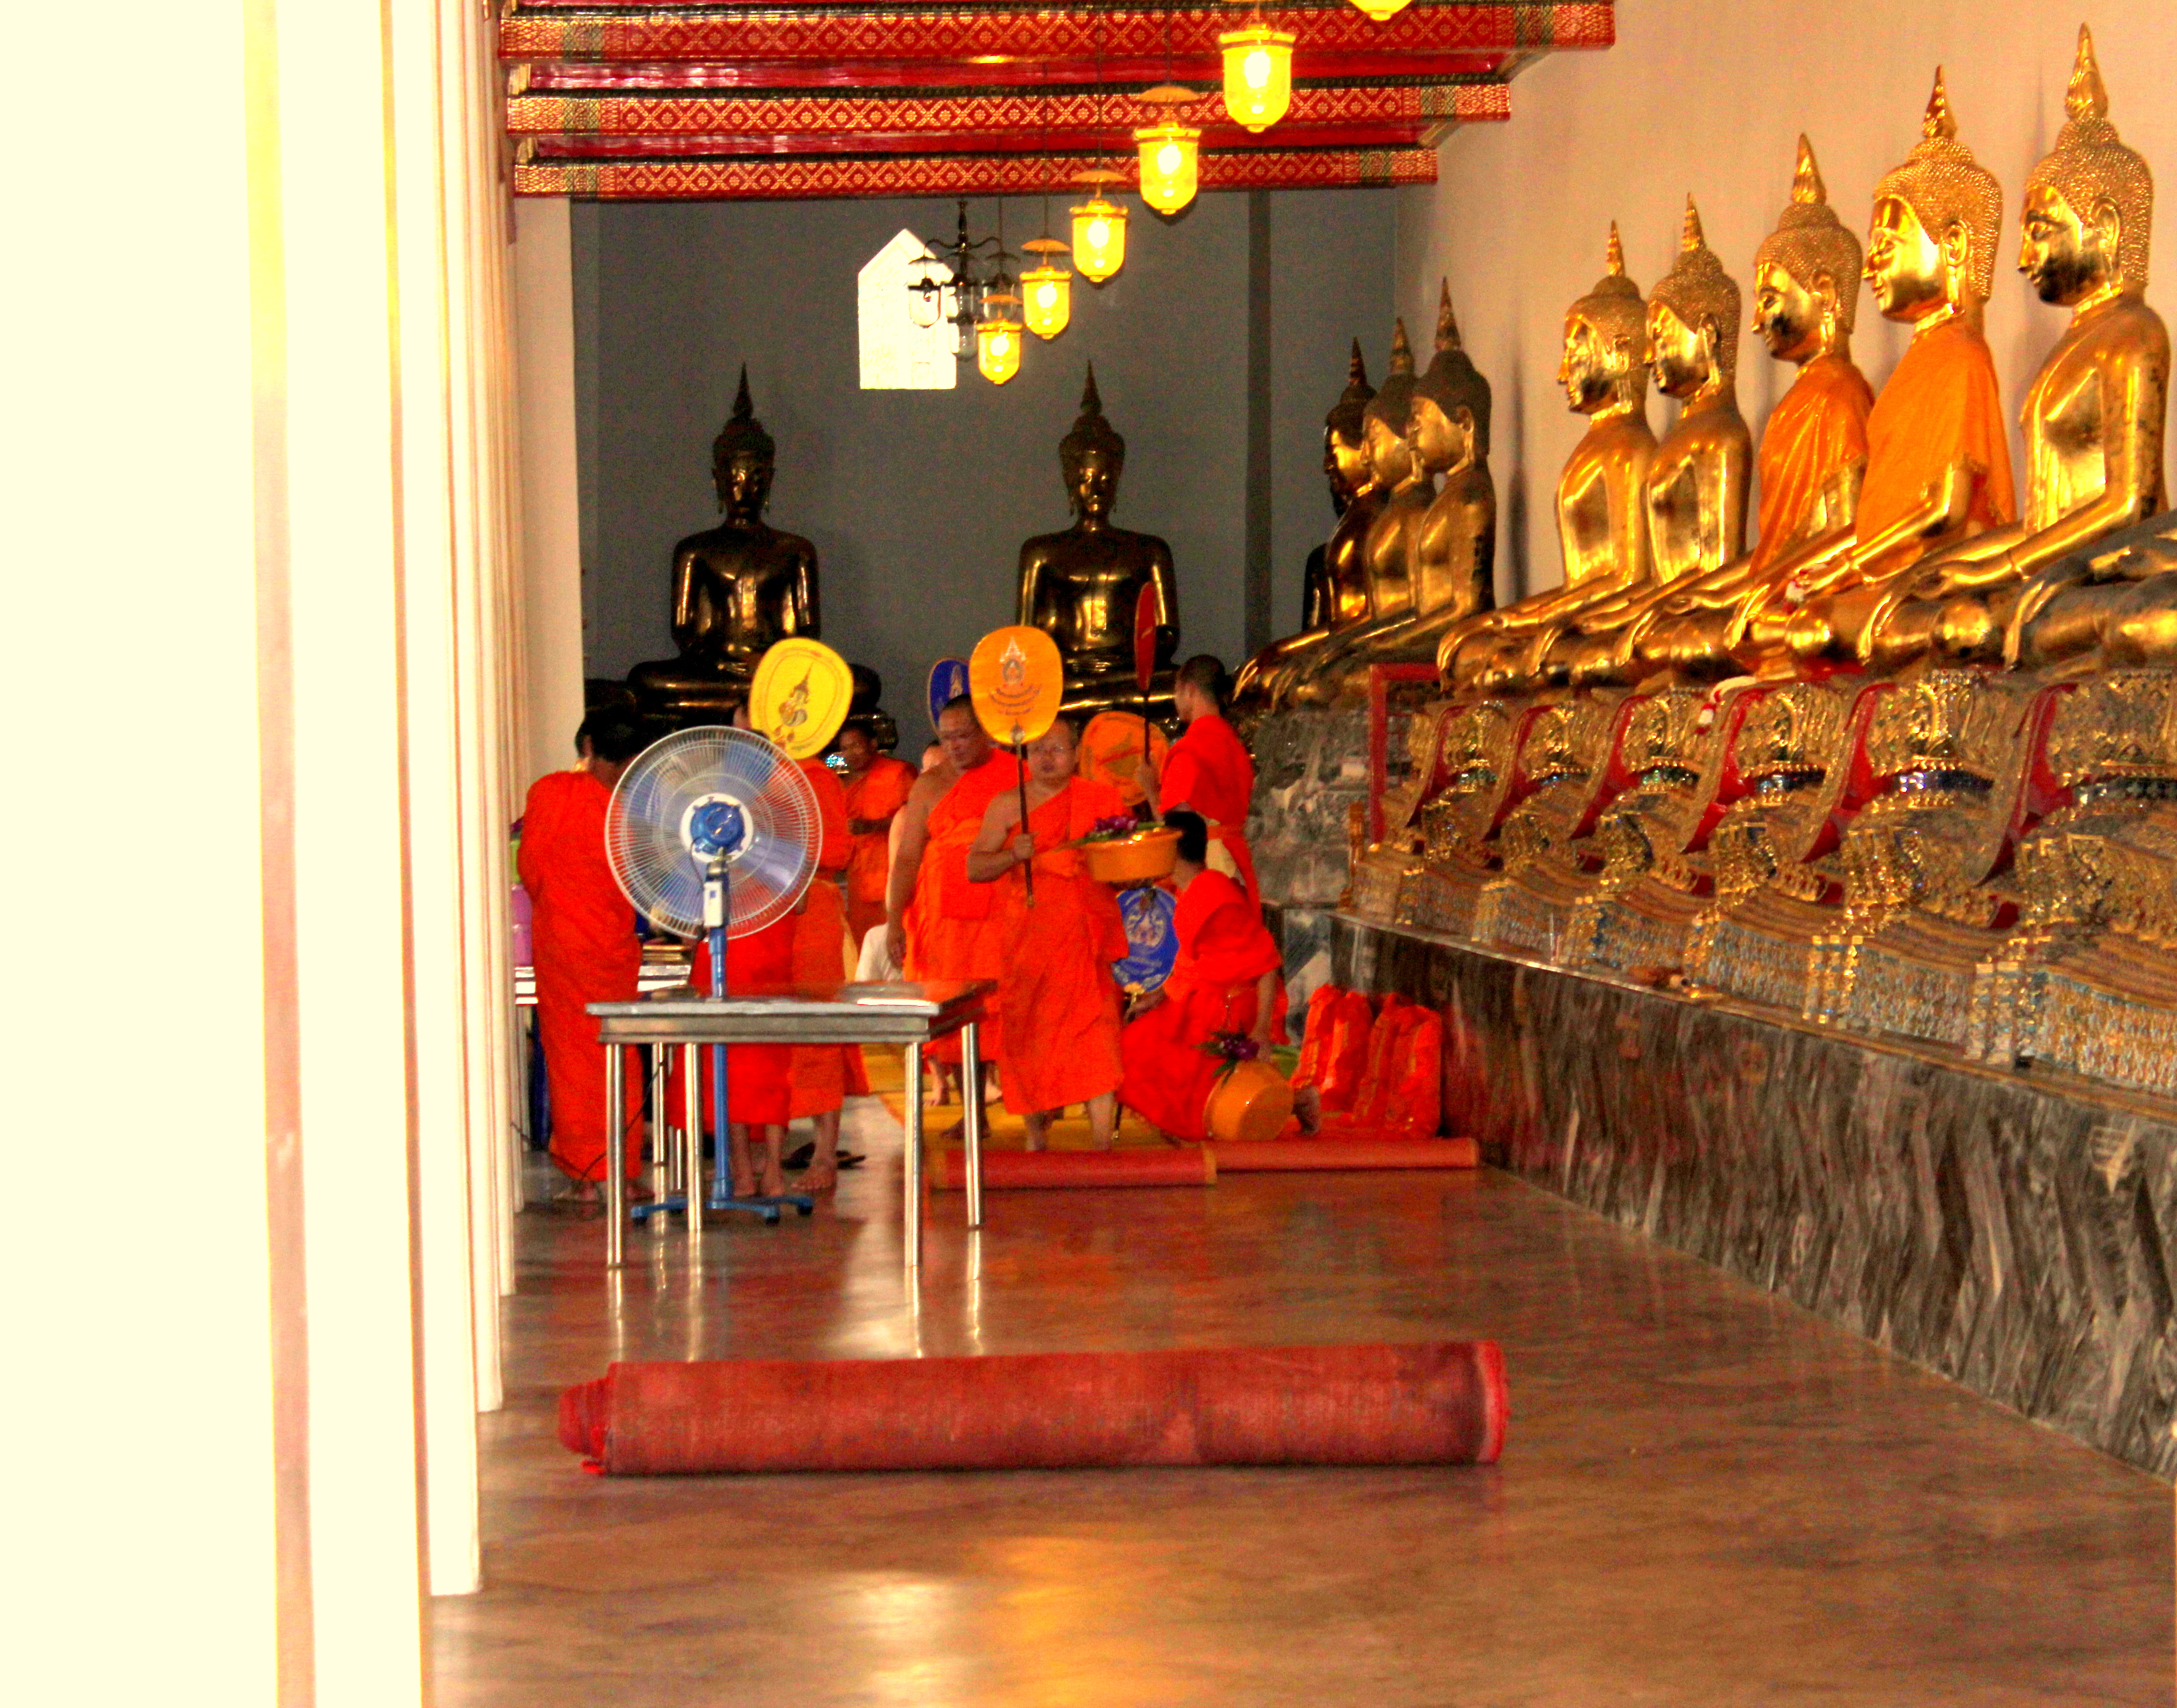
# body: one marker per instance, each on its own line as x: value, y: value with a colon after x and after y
x: 1381, y: 9
x: 1100, y: 231
x: 1170, y: 162
x: 998, y: 338
x: 1046, y: 288
x: 1257, y: 74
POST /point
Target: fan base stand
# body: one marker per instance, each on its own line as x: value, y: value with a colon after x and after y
x: 769, y: 1209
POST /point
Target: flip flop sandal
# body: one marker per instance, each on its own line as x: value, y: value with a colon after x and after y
x: 799, y: 1157
x: 851, y: 1159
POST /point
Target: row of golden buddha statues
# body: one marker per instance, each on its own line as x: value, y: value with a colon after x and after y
x: 741, y: 586
x: 1907, y: 766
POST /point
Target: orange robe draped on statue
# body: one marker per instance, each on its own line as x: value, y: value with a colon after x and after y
x: 1817, y: 428
x: 1941, y: 408
x: 587, y: 951
x: 1209, y: 773
x: 1057, y: 1002
x: 824, y: 1075
x: 950, y: 932
x: 877, y: 794
x: 1224, y: 950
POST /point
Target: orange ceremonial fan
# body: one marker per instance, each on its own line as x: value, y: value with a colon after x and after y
x: 1016, y: 677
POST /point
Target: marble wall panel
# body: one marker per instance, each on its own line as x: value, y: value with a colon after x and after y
x: 2013, y: 1231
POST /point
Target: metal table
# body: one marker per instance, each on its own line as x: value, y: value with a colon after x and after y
x: 914, y: 1015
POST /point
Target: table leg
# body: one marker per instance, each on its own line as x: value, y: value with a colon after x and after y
x: 615, y: 1155
x: 661, y: 1132
x: 971, y: 1083
x: 911, y: 1230
x: 691, y: 1117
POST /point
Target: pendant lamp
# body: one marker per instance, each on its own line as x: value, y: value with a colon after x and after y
x: 1100, y: 231
x: 1046, y: 288
x: 1257, y: 74
x: 998, y: 338
x: 1381, y: 9
x: 1169, y: 166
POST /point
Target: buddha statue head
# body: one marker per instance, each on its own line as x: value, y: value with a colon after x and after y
x: 1937, y: 217
x: 742, y: 459
x: 1344, y: 436
x: 1692, y: 318
x: 1384, y: 419
x: 1449, y: 422
x: 2090, y: 204
x: 1806, y: 273
x: 1092, y: 457
x: 1605, y: 363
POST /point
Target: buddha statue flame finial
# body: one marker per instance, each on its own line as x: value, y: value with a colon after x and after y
x: 1091, y: 432
x: 1392, y: 404
x: 1697, y: 289
x: 1614, y: 257
x: 1453, y: 382
x: 742, y: 431
x: 1944, y: 186
x: 1807, y: 189
x: 1810, y: 240
x: 1447, y: 324
x: 1345, y: 418
x: 2089, y: 163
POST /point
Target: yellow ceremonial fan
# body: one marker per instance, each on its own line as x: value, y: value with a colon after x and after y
x: 1015, y: 678
x: 800, y: 696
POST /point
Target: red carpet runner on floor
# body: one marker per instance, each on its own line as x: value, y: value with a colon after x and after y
x: 1028, y: 1170
x: 1435, y: 1403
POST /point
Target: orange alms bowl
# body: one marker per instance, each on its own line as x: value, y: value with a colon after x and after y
x: 1140, y: 858
x: 1250, y: 1104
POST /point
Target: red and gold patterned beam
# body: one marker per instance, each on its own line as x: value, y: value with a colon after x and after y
x: 911, y: 174
x: 854, y: 45
x: 949, y: 121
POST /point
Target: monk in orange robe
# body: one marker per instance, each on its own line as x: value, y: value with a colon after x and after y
x: 586, y: 946
x: 759, y: 1077
x: 1058, y: 1002
x: 937, y: 924
x: 1227, y: 978
x: 824, y: 1075
x: 877, y: 787
x: 1208, y: 771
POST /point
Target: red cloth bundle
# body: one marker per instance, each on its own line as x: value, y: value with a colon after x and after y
x: 1349, y: 1023
x: 1315, y: 1155
x: 1029, y: 1171
x: 1403, y: 1096
x: 1435, y: 1403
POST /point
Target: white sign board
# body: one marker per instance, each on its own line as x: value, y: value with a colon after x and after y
x: 897, y: 354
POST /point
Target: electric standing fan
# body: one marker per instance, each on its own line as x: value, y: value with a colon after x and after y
x: 714, y: 832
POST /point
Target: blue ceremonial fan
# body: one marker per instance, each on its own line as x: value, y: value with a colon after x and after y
x: 948, y: 681
x: 1151, y: 944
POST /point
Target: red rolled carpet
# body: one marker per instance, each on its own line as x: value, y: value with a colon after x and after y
x: 1028, y: 1170
x: 1437, y: 1403
x: 1304, y: 1155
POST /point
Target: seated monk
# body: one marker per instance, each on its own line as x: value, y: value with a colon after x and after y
x: 938, y: 923
x: 1208, y: 771
x: 1226, y: 978
x: 1058, y: 1001
x: 2094, y: 417
x: 586, y: 946
x: 876, y: 786
x: 1813, y: 449
x: 1937, y: 453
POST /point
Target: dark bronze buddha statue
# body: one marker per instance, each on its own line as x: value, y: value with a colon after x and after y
x: 1080, y: 586
x: 736, y: 588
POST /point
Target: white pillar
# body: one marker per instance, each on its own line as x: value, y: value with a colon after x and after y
x: 551, y: 499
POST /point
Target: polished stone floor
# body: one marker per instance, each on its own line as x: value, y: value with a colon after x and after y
x: 1709, y: 1496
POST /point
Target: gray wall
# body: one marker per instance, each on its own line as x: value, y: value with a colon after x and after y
x: 918, y: 501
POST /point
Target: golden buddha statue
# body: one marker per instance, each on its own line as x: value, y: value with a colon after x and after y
x: 1696, y: 490
x: 1080, y: 586
x: 736, y: 588
x: 1602, y: 515
x: 1938, y: 458
x: 1813, y: 449
x: 2094, y: 417
x: 1335, y: 592
x: 1388, y: 554
x: 1451, y: 548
